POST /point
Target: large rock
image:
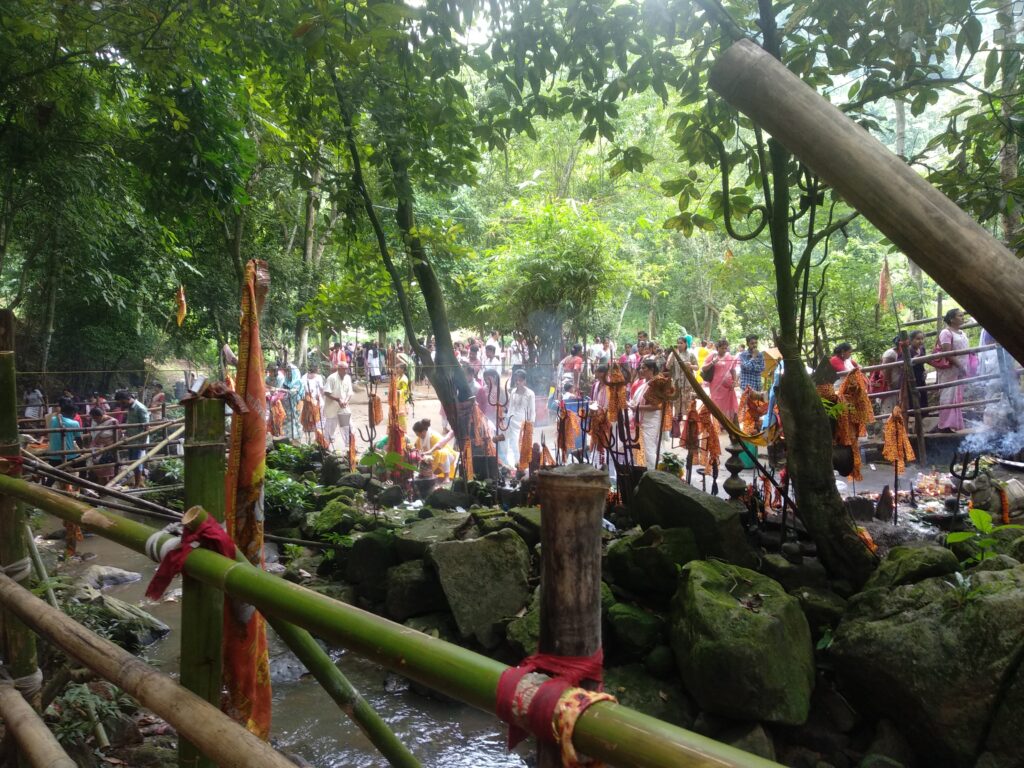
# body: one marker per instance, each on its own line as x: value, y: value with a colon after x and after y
x: 648, y: 563
x: 665, y: 500
x: 125, y: 624
x: 442, y: 498
x: 413, y: 590
x: 413, y: 540
x: 485, y: 581
x: 523, y: 632
x: 354, y: 480
x: 823, y: 608
x: 371, y: 557
x: 391, y: 496
x: 907, y: 565
x: 942, y: 658
x: 658, y: 697
x: 527, y: 523
x: 635, y: 631
x: 809, y: 572
x: 333, y: 468
x: 742, y: 644
x: 101, y: 576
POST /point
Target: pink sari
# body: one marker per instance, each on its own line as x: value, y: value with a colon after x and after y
x: 723, y: 384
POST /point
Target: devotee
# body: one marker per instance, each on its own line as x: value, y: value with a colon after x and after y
x: 312, y: 401
x: 404, y: 395
x: 949, y: 369
x: 67, y: 434
x: 842, y: 358
x: 522, y: 408
x: 570, y: 368
x: 492, y: 360
x: 431, y: 445
x: 893, y: 377
x: 648, y: 416
x: 920, y: 377
x: 337, y: 395
x: 104, y: 433
x: 157, y: 399
x: 751, y: 366
x: 719, y: 374
x: 136, y: 419
x: 373, y: 363
x: 684, y: 392
x: 34, y: 403
x: 294, y: 388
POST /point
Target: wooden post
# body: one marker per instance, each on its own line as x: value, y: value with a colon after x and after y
x: 202, y: 606
x: 572, y: 505
x: 19, y: 642
x: 972, y: 266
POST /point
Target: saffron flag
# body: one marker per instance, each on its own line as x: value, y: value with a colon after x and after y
x: 246, y: 662
x: 884, y: 284
x: 182, y: 306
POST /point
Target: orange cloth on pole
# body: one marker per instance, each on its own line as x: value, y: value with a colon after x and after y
x: 246, y: 662
x: 526, y: 445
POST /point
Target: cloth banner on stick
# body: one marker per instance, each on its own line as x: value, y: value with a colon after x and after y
x: 246, y: 662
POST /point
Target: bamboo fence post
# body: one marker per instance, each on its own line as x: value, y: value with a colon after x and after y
x: 40, y: 568
x: 202, y: 606
x: 37, y: 745
x: 572, y: 505
x: 345, y: 695
x: 227, y: 743
x: 19, y: 642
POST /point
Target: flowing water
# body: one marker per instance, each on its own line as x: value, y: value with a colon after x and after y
x: 307, y: 723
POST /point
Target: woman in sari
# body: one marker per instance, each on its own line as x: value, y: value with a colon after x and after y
x: 101, y: 438
x: 295, y: 388
x: 433, y: 446
x: 951, y: 369
x: 720, y: 369
x: 647, y: 414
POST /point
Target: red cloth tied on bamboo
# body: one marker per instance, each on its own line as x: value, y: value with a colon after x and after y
x: 208, y: 535
x: 566, y: 672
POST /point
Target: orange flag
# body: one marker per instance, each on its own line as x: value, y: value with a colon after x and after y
x: 182, y: 306
x: 246, y: 663
x: 884, y: 284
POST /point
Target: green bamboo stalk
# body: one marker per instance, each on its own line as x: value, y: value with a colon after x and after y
x: 202, y: 606
x: 19, y: 641
x: 39, y: 566
x: 606, y: 731
x: 338, y: 687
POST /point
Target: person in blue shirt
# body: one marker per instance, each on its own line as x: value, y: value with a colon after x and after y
x: 751, y: 366
x: 68, y: 438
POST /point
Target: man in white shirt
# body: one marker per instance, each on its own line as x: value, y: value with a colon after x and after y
x: 522, y: 408
x: 492, y: 359
x: 337, y: 416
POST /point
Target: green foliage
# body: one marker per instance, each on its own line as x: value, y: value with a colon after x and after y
x: 295, y: 459
x: 72, y: 713
x: 963, y: 588
x: 981, y: 538
x: 282, y: 494
x: 386, y: 462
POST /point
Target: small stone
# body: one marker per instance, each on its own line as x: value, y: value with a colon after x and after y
x: 100, y: 576
x: 442, y: 498
x: 413, y: 589
x: 391, y: 496
x: 635, y: 630
x: 413, y: 541
x: 354, y: 480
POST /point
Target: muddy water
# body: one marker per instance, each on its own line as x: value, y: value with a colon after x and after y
x: 307, y: 723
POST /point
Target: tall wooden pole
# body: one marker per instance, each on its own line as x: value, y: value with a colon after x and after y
x: 572, y: 505
x: 202, y: 606
x: 37, y: 744
x: 19, y: 642
x: 973, y: 267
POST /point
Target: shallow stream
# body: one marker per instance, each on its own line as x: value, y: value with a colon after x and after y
x: 307, y: 723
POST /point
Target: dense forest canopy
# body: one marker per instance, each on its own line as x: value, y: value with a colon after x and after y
x: 540, y: 156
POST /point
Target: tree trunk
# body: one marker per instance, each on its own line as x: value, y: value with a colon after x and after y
x: 807, y: 427
x: 916, y: 274
x: 53, y: 282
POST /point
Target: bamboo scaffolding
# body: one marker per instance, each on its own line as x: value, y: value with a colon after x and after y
x: 948, y: 406
x: 943, y: 385
x: 964, y: 327
x: 113, y: 446
x: 605, y: 731
x: 37, y: 745
x: 923, y: 358
x: 223, y: 740
x: 49, y: 430
x: 151, y: 453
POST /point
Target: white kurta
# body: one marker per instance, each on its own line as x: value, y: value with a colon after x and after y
x: 338, y: 414
x: 650, y: 427
x: 522, y: 407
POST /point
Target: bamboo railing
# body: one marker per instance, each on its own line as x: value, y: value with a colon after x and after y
x: 606, y: 731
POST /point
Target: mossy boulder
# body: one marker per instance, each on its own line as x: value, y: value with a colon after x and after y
x: 485, y: 581
x: 443, y: 498
x: 391, y: 496
x: 657, y: 697
x: 527, y: 523
x: 523, y: 632
x: 809, y: 572
x: 942, y: 658
x: 742, y: 644
x: 125, y: 624
x: 491, y: 520
x: 634, y: 631
x: 333, y: 469
x: 413, y: 540
x: 368, y: 563
x: 413, y: 590
x: 355, y: 480
x: 648, y: 563
x: 907, y: 565
x: 663, y: 499
x: 823, y: 608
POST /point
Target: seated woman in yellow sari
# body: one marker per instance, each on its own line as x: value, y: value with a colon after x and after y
x: 430, y: 443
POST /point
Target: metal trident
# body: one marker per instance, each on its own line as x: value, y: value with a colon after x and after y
x: 370, y: 435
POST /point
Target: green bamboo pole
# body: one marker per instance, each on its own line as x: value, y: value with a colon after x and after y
x: 202, y: 606
x: 338, y: 687
x: 606, y: 731
x: 19, y: 641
